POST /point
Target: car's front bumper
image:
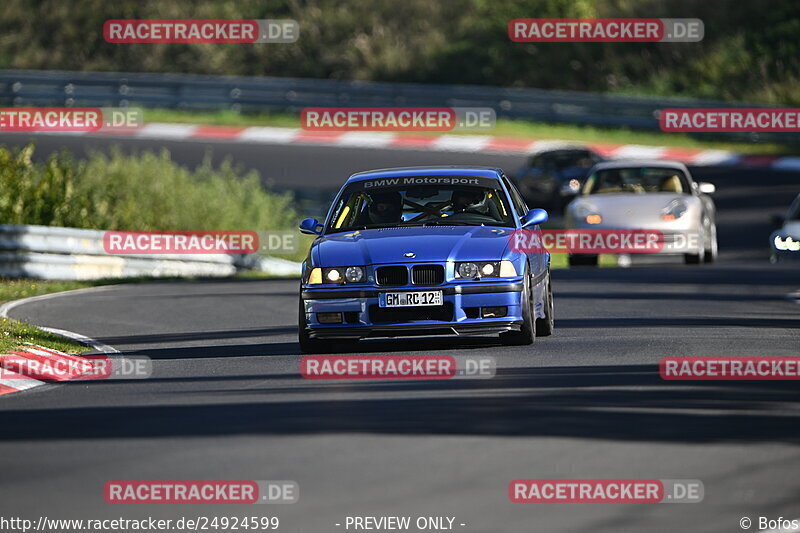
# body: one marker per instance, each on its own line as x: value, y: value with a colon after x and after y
x: 460, y: 313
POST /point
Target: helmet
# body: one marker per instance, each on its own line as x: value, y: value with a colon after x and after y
x: 472, y: 200
x: 386, y: 207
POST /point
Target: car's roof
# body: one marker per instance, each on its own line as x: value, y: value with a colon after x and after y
x: 547, y: 147
x: 633, y: 163
x: 443, y: 170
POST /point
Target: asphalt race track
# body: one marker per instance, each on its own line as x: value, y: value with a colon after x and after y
x: 226, y: 400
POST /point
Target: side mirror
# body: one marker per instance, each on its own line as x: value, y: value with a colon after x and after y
x: 310, y: 226
x: 706, y: 188
x: 534, y: 216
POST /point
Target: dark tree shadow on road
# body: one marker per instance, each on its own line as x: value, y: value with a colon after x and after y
x: 626, y: 403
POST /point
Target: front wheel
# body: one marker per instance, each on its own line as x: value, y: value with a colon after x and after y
x: 307, y: 344
x: 527, y: 331
x: 712, y: 250
x: 546, y: 325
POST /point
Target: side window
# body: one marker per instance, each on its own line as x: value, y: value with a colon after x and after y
x: 516, y: 197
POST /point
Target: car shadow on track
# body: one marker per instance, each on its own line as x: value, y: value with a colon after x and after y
x: 627, y: 402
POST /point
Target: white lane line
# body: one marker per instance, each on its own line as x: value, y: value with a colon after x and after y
x: 461, y: 143
x: 158, y: 130
x: 638, y: 151
x: 366, y: 139
x: 716, y: 157
x: 268, y: 135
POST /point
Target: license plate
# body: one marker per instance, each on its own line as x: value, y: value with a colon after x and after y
x: 410, y: 299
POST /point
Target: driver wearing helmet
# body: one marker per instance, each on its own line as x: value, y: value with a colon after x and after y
x: 470, y: 201
x: 386, y: 208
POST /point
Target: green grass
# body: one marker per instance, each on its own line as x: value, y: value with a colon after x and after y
x: 503, y: 128
x: 14, y: 333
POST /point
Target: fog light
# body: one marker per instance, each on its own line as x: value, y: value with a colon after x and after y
x: 494, y: 312
x: 594, y: 219
x: 329, y: 318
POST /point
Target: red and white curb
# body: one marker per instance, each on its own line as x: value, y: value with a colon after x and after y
x: 20, y: 360
x: 32, y: 365
x: 442, y: 143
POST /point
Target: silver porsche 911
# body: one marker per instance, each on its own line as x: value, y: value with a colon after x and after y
x: 658, y: 196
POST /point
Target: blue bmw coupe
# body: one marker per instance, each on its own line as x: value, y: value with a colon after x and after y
x: 424, y: 251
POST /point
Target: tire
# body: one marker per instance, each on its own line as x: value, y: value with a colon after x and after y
x: 527, y: 332
x: 307, y: 344
x: 546, y: 325
x: 582, y: 260
x: 696, y: 259
x: 710, y: 254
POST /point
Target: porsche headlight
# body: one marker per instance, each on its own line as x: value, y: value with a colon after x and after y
x: 675, y: 210
x: 587, y: 213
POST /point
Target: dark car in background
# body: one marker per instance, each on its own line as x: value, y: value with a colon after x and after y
x: 553, y: 177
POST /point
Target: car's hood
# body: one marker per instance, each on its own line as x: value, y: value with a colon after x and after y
x: 390, y: 245
x: 628, y: 210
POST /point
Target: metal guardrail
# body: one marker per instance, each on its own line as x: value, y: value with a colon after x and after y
x: 248, y: 94
x: 46, y: 252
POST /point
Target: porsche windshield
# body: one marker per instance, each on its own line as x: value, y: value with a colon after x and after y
x: 636, y: 180
x: 419, y: 205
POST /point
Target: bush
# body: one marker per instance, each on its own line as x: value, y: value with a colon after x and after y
x: 136, y: 193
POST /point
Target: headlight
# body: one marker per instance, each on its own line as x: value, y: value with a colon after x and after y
x: 338, y: 275
x: 333, y: 275
x: 467, y: 270
x: 587, y: 213
x: 571, y: 187
x: 507, y: 269
x: 315, y: 276
x: 675, y: 210
x: 354, y: 274
x: 485, y: 269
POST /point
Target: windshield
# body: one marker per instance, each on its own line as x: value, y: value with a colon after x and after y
x: 636, y: 180
x: 361, y: 207
x: 573, y: 159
